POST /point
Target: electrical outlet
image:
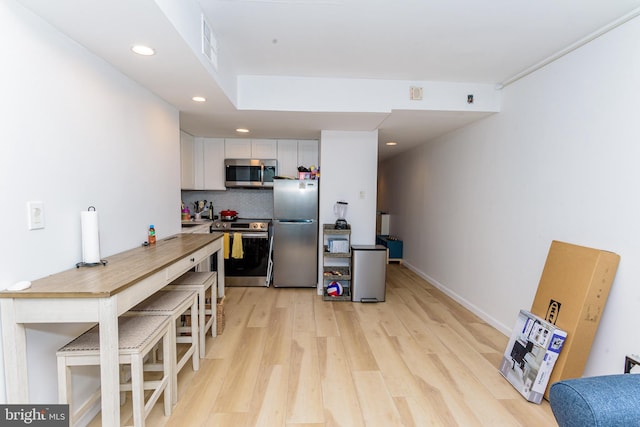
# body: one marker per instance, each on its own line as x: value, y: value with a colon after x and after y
x: 35, y: 215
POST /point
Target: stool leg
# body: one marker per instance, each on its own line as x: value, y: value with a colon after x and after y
x: 173, y: 359
x: 168, y: 374
x: 214, y: 313
x: 123, y: 379
x: 195, y: 359
x: 137, y: 389
x: 201, y: 314
x: 214, y: 307
x: 64, y: 385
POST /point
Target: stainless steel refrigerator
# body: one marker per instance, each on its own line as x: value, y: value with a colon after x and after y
x: 295, y: 233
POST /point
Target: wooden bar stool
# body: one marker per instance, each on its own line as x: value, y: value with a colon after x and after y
x: 137, y: 337
x: 206, y: 284
x: 175, y: 304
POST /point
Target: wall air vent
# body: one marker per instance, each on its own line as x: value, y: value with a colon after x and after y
x: 209, y: 43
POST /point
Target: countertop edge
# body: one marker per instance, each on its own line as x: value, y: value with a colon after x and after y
x: 37, y: 291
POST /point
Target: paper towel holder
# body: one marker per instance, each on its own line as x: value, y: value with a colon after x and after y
x: 91, y: 264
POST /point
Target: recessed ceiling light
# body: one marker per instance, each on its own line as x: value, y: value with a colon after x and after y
x: 242, y: 130
x: 199, y: 98
x: 391, y: 143
x: 143, y: 50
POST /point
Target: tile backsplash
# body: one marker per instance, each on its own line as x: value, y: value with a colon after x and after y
x: 249, y: 203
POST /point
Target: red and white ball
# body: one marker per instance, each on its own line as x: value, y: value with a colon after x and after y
x: 335, y: 289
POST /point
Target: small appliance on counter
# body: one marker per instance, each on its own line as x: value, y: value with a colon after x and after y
x: 340, y: 210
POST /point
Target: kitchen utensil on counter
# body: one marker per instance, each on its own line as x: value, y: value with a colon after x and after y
x: 340, y: 210
x: 228, y: 215
x: 199, y: 206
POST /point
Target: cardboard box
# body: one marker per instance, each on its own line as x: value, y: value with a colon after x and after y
x: 531, y: 354
x: 572, y: 293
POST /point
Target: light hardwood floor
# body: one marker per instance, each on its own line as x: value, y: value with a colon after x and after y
x: 288, y: 358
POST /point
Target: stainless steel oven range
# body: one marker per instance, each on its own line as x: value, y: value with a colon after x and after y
x: 246, y: 251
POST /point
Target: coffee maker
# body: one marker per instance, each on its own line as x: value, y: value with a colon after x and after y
x: 340, y: 209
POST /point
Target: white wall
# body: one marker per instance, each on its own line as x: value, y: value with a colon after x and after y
x: 349, y: 172
x: 478, y: 208
x: 287, y: 93
x: 75, y: 133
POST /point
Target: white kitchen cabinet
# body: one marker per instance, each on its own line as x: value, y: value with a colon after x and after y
x: 288, y: 157
x: 202, y: 159
x: 293, y: 153
x: 187, y: 157
x: 240, y: 148
x: 237, y: 148
x: 264, y: 149
x: 213, y: 152
x: 308, y: 153
x: 205, y: 170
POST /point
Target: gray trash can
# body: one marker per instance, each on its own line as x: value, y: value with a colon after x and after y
x: 369, y: 269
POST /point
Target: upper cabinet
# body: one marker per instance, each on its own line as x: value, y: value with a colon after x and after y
x: 187, y: 157
x: 202, y: 163
x: 264, y: 149
x: 308, y: 153
x: 238, y: 148
x: 288, y: 157
x: 293, y: 153
x: 213, y: 152
x: 202, y: 159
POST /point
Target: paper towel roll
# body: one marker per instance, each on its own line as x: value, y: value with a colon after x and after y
x: 90, y: 237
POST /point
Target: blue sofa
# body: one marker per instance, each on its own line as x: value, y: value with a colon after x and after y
x: 602, y: 401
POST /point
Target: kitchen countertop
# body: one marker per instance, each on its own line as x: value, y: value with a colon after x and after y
x: 199, y: 226
x: 97, y: 294
x: 121, y: 271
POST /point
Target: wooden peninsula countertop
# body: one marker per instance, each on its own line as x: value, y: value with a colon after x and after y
x: 98, y: 294
x: 121, y: 271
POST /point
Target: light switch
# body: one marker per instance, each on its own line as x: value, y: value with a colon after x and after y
x: 362, y: 194
x: 35, y: 215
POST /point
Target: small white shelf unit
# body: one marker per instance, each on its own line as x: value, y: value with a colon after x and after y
x: 336, y: 265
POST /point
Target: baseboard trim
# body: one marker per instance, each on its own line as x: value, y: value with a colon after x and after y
x: 504, y: 329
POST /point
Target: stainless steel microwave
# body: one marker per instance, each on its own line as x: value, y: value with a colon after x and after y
x: 250, y: 172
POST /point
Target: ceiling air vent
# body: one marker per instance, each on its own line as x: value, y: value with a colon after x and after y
x: 209, y: 43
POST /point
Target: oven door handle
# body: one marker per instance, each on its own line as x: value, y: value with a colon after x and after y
x: 255, y: 235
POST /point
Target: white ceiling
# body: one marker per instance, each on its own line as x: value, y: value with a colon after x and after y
x: 474, y: 41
